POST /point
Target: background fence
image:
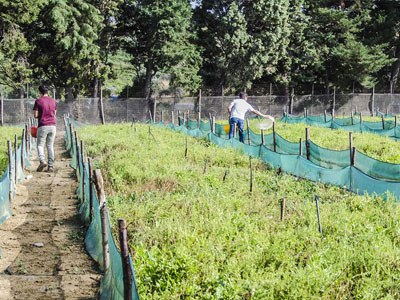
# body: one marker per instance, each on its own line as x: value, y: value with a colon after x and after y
x: 87, y: 110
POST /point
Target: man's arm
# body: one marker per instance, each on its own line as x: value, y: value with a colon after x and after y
x: 262, y: 115
x: 36, y: 114
x: 230, y: 108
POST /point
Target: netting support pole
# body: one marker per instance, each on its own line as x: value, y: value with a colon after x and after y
x: 154, y: 109
x: 395, y: 121
x: 179, y: 116
x: 210, y: 120
x: 16, y: 158
x: 387, y: 110
x: 373, y: 102
x: 213, y: 124
x: 10, y: 170
x: 91, y: 198
x: 2, y: 109
x: 274, y: 135
x: 23, y: 149
x: 308, y: 143
x: 199, y: 120
x: 103, y: 215
x: 251, y: 175
x: 354, y: 151
x: 186, y: 148
x: 199, y: 104
x: 301, y: 147
x: 283, y: 208
x: 262, y: 136
x: 172, y: 118
x: 325, y: 115
x: 352, y: 120
x: 101, y: 105
x: 248, y: 131
x: 83, y: 171
x: 361, y: 121
x: 305, y: 112
x: 151, y: 117
x: 351, y: 146
x: 319, y: 219
x: 71, y: 138
x: 162, y: 116
x: 383, y: 122
x: 27, y: 146
x: 78, y: 171
x: 126, y: 266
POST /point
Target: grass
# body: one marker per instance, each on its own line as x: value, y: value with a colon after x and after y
x: 7, y: 133
x: 194, y: 236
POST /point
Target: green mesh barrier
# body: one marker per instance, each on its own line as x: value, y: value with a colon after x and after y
x: 327, y: 158
x: 377, y: 169
x: 5, y: 208
x: 286, y: 147
x: 111, y: 287
x: 348, y: 124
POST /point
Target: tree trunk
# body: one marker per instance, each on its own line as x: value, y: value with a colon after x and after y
x: 69, y: 94
x: 22, y: 102
x: 396, y: 67
x: 95, y: 87
x: 149, y: 77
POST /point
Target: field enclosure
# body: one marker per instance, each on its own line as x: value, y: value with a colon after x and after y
x: 196, y: 231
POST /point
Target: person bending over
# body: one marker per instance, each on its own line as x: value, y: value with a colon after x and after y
x: 237, y: 111
x: 45, y: 110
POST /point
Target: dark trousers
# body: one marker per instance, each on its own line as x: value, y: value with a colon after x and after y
x: 240, y: 125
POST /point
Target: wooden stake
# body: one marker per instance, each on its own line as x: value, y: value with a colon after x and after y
x: 98, y: 179
x: 91, y: 186
x: 71, y: 138
x: 395, y: 121
x: 213, y: 124
x: 2, y: 109
x: 78, y: 167
x: 352, y: 120
x: 248, y: 131
x: 10, y: 170
x: 199, y: 120
x: 186, y: 149
x: 172, y: 118
x: 225, y: 174
x: 262, y: 137
x: 383, y: 122
x: 251, y: 175
x: 83, y: 171
x: 205, y: 166
x: 154, y: 109
x: 351, y: 146
x: 162, y: 116
x: 354, y: 151
x: 151, y: 116
x: 325, y: 115
x: 361, y: 119
x: 373, y: 101
x: 274, y: 135
x: 283, y: 208
x: 23, y: 149
x: 126, y: 266
x: 16, y: 158
x: 308, y: 143
x: 305, y: 112
x: 319, y: 219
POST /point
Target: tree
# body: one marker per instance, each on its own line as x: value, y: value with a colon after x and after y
x: 65, y: 36
x: 157, y: 33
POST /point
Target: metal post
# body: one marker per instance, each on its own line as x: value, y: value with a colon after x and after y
x: 308, y: 143
x: 23, y: 149
x: 383, y: 122
x: 78, y: 168
x: 373, y: 101
x: 91, y: 186
x: 353, y: 162
x: 262, y: 136
x: 251, y: 175
x: 325, y: 115
x: 126, y: 266
x: 172, y: 117
x: 101, y: 105
x: 319, y: 219
x: 83, y: 171
x: 301, y: 147
x: 154, y: 109
x: 162, y: 116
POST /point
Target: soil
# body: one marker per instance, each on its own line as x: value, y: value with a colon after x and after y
x: 45, y: 211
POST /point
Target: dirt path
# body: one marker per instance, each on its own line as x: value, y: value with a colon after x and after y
x: 44, y: 211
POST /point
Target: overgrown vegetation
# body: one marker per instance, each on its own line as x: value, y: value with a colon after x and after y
x: 194, y: 236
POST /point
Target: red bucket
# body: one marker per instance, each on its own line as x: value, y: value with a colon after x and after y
x: 34, y: 131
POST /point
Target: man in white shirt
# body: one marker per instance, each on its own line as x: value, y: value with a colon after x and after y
x: 237, y: 111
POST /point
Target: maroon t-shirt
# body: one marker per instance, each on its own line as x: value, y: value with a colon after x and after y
x: 46, y: 107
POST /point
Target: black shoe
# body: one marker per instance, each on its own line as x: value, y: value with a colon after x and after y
x: 41, y: 167
x: 50, y: 170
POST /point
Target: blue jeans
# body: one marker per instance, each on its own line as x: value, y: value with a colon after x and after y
x: 240, y: 125
x: 46, y: 134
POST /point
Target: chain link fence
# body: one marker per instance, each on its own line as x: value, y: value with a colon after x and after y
x: 87, y: 110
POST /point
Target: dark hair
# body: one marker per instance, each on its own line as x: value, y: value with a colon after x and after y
x: 242, y: 95
x: 43, y: 89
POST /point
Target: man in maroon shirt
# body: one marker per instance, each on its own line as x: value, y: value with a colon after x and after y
x: 45, y: 109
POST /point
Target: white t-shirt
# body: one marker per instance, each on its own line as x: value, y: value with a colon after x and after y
x: 240, y: 108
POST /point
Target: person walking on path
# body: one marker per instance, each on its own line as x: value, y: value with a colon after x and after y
x: 45, y: 110
x: 237, y: 111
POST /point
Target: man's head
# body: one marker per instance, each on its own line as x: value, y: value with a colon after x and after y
x: 243, y: 95
x: 43, y: 90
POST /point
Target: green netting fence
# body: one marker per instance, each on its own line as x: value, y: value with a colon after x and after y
x: 322, y: 157
x: 386, y: 128
x: 111, y: 287
x: 325, y: 165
